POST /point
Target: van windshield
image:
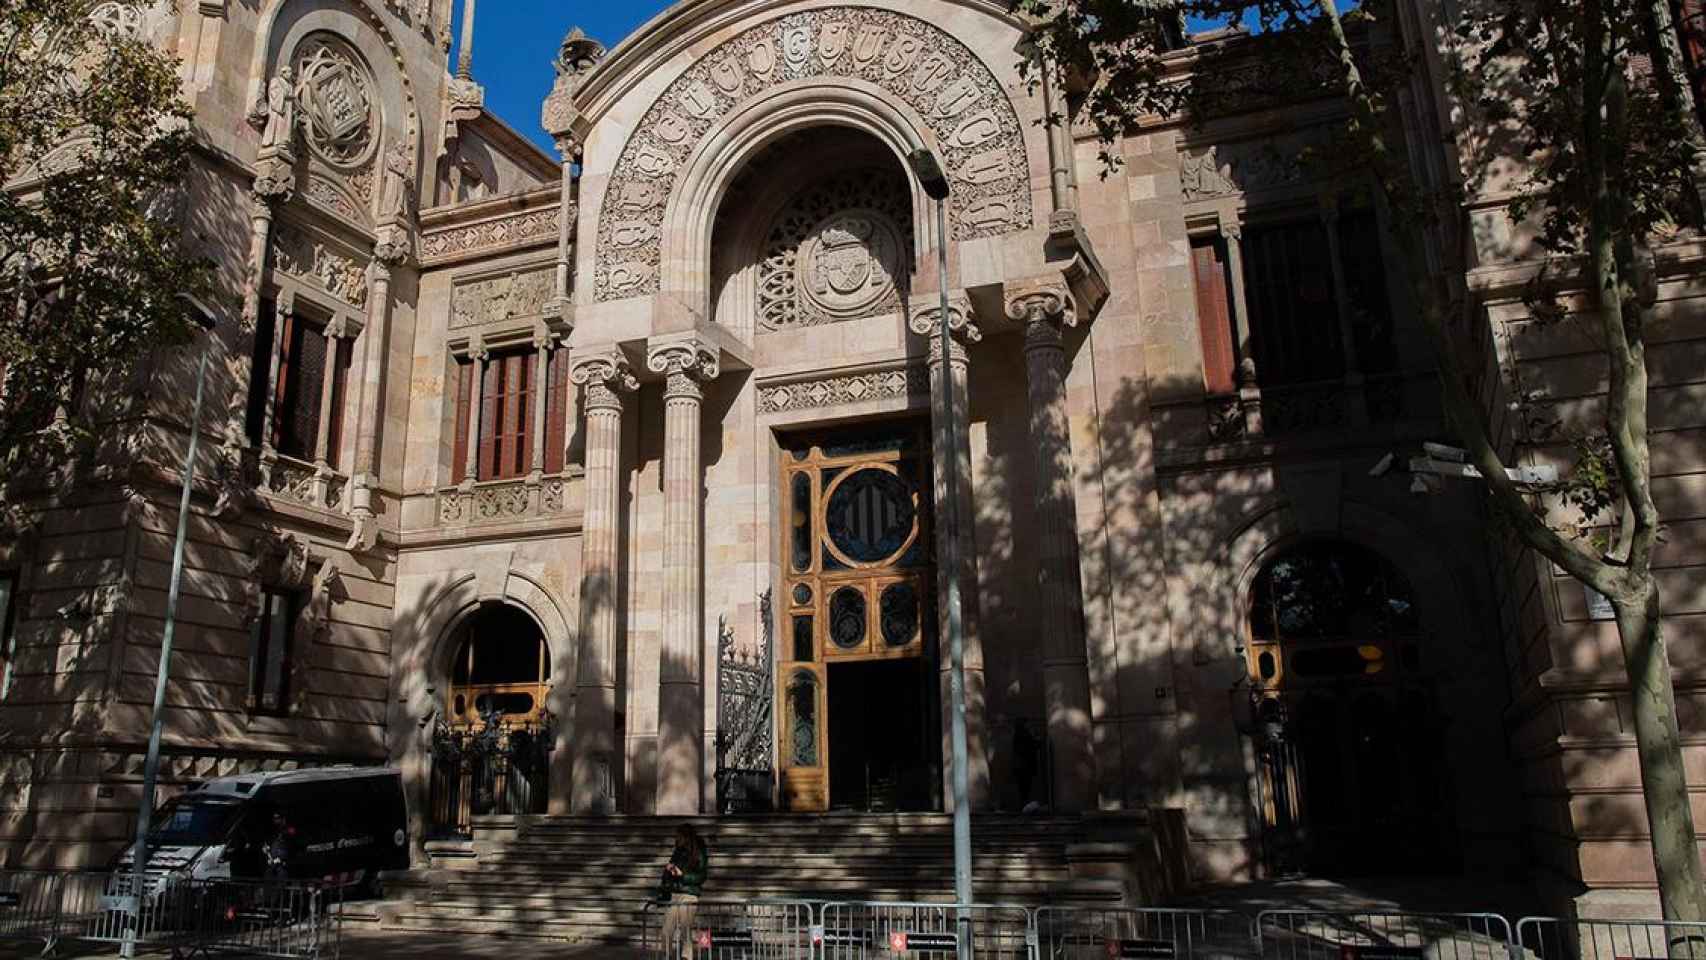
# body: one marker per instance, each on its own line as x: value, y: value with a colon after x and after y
x: 193, y: 822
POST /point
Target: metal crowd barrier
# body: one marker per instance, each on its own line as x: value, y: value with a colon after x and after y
x: 283, y: 920
x: 730, y: 930
x: 1097, y: 933
x: 1307, y: 935
x: 287, y: 921
x: 29, y: 908
x: 854, y: 931
x: 103, y: 908
x: 1549, y: 939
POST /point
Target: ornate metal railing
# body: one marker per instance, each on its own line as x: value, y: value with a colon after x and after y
x: 488, y: 768
x: 746, y: 773
x: 497, y: 500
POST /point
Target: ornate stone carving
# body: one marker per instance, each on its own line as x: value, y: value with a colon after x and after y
x: 399, y: 181
x: 502, y: 298
x: 968, y: 112
x: 337, y: 101
x: 577, y: 56
x: 1041, y: 303
x: 117, y: 19
x: 606, y: 377
x: 687, y: 358
x: 314, y: 261
x: 926, y: 319
x: 846, y: 388
x: 1226, y: 169
x: 276, y: 116
x: 507, y: 231
x: 327, y: 194
x: 839, y: 251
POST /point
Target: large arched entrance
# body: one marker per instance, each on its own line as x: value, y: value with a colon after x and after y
x: 491, y: 747
x: 1346, y: 720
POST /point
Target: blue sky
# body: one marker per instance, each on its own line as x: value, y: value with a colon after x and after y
x: 515, y: 41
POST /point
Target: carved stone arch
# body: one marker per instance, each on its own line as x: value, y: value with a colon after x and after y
x: 423, y: 669
x: 282, y: 27
x: 910, y: 66
x: 690, y: 218
x: 1443, y: 594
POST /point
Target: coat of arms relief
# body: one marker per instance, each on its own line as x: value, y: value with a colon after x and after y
x: 840, y: 250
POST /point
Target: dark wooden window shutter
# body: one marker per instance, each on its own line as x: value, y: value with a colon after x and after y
x: 340, y: 387
x: 1214, y: 316
x: 489, y: 409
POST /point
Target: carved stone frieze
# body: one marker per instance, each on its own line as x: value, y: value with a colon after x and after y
x: 513, y: 230
x: 965, y: 106
x: 306, y: 258
x: 328, y: 195
x: 1228, y: 169
x: 509, y: 297
x: 838, y: 389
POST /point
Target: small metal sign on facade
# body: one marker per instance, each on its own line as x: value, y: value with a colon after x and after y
x: 1599, y: 607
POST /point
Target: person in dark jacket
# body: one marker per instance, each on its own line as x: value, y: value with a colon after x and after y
x: 683, y: 880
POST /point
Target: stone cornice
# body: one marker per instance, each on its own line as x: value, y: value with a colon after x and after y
x: 519, y: 221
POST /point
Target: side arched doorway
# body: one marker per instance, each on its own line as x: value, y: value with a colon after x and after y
x: 1347, y: 725
x: 492, y: 744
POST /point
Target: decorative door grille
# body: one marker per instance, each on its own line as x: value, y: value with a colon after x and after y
x: 488, y: 768
x: 745, y: 731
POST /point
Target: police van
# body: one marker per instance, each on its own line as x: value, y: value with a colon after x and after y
x: 335, y: 825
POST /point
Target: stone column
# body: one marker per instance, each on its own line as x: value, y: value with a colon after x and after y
x: 477, y: 357
x: 687, y: 365
x: 951, y: 377
x: 335, y: 331
x: 608, y: 381
x: 283, y: 308
x: 1044, y: 311
x: 390, y: 252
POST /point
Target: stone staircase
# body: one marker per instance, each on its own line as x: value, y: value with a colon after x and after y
x: 587, y: 880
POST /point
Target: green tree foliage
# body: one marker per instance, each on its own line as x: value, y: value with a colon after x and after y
x: 94, y: 143
x: 1585, y: 100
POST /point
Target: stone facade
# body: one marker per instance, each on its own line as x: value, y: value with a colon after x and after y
x: 758, y: 267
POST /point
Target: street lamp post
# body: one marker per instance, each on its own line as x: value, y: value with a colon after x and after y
x: 151, y: 768
x: 935, y: 183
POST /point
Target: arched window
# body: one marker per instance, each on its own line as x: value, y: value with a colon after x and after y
x: 1348, y: 733
x: 1327, y: 610
x: 502, y: 668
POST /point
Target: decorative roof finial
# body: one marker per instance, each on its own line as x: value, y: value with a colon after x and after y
x: 577, y: 56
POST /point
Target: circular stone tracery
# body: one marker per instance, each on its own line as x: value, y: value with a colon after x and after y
x: 837, y: 251
x: 336, y: 100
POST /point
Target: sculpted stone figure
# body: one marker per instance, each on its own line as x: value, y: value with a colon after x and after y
x: 280, y: 111
x: 399, y: 174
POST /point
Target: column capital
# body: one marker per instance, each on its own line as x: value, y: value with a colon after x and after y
x: 689, y: 356
x: 477, y: 351
x: 1046, y: 302
x: 606, y: 376
x: 926, y: 320
x: 544, y: 338
x: 1233, y: 231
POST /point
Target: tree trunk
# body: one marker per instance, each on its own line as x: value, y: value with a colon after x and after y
x: 1664, y: 780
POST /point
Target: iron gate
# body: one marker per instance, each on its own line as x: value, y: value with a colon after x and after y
x: 746, y: 774
x: 488, y: 769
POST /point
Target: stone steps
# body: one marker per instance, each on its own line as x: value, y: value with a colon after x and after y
x: 587, y: 880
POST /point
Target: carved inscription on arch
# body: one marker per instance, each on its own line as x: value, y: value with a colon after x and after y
x: 974, y: 124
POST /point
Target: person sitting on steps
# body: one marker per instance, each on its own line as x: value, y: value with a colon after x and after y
x: 683, y: 880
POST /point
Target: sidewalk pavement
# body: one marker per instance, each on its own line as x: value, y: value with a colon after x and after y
x: 373, y: 944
